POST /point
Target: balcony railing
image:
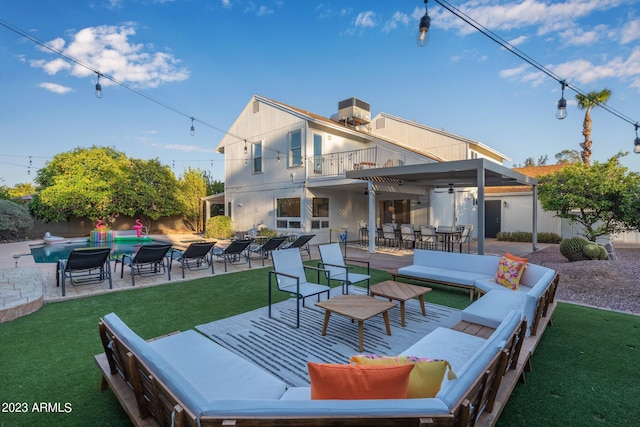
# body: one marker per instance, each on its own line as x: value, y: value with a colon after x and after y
x: 336, y: 164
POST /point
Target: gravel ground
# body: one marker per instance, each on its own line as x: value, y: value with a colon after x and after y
x: 613, y: 285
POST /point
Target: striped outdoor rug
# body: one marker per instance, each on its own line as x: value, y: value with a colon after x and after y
x: 279, y: 348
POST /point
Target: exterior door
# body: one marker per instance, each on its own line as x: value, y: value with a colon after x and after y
x: 492, y: 218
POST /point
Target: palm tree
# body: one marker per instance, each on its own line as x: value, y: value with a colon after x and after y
x: 587, y: 102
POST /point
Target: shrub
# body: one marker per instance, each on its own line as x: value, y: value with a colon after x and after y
x: 15, y: 221
x: 571, y: 248
x: 591, y: 250
x: 219, y: 227
x: 527, y: 236
x: 266, y: 232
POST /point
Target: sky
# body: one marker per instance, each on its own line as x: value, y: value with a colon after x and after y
x: 174, y: 60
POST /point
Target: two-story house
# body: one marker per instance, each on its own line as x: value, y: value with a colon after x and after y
x: 285, y: 168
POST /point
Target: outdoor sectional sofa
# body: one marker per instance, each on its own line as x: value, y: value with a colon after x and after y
x: 187, y: 379
x: 477, y: 273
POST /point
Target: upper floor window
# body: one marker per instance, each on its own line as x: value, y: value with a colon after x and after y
x: 317, y: 153
x: 257, y: 157
x: 295, y: 148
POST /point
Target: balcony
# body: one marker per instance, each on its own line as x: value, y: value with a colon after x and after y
x: 336, y: 164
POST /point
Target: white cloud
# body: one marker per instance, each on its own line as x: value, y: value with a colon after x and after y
x: 109, y: 50
x: 366, y: 19
x: 580, y: 37
x: 518, y: 40
x: 397, y: 18
x: 188, y: 148
x: 55, y: 88
x: 630, y: 32
x: 226, y: 3
x: 501, y: 15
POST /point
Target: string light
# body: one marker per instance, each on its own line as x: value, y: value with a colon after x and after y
x: 193, y: 129
x: 636, y: 142
x: 98, y: 86
x: 520, y: 54
x: 562, y: 104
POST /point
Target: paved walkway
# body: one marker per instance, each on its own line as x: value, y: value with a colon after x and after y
x: 26, y: 285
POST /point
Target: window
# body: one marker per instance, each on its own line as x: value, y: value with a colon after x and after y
x: 317, y: 153
x: 288, y: 213
x: 295, y: 148
x: 320, y: 209
x: 257, y: 157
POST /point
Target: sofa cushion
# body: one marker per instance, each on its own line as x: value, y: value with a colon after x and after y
x: 509, y: 272
x: 191, y: 397
x: 444, y: 274
x: 452, y: 391
x: 354, y: 382
x: 215, y: 371
x: 480, y: 264
x: 491, y: 309
x: 426, y: 377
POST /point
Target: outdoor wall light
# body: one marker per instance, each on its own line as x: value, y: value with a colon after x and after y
x: 562, y: 104
x: 423, y: 27
x: 636, y: 142
x: 98, y: 87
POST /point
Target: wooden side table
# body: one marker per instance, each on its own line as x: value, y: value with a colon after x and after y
x: 356, y: 307
x: 400, y: 292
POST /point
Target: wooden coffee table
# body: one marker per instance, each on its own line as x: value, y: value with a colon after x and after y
x: 400, y: 292
x: 356, y: 307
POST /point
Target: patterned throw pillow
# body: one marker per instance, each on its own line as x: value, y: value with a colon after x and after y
x: 426, y: 376
x: 509, y: 272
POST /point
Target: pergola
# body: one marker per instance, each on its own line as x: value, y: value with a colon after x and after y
x: 479, y: 173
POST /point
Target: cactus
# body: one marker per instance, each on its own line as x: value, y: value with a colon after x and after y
x: 571, y: 248
x: 604, y: 254
x: 591, y: 250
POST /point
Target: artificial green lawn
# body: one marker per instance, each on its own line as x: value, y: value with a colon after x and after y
x: 585, y: 370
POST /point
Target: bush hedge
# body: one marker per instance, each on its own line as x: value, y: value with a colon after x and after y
x: 219, y: 227
x: 527, y: 236
x: 15, y: 221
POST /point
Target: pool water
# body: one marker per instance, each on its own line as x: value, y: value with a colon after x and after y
x: 53, y: 253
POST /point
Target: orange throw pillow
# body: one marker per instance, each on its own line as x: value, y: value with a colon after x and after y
x: 512, y: 257
x: 349, y: 382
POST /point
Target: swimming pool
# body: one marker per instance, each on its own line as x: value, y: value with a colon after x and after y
x: 53, y: 253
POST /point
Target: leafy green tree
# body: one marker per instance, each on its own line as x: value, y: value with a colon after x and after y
x: 102, y: 183
x: 22, y: 189
x: 587, y: 102
x: 80, y: 183
x: 568, y: 156
x: 191, y: 187
x: 149, y: 191
x: 602, y: 197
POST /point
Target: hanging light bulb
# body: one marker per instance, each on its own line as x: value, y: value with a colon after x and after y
x: 278, y: 157
x: 636, y: 142
x: 98, y: 87
x: 562, y: 104
x: 193, y: 129
x: 244, y: 150
x: 423, y: 28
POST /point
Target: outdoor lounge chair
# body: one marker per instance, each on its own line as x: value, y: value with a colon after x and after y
x: 408, y: 235
x: 84, y: 265
x: 428, y: 237
x: 149, y: 260
x: 290, y: 277
x: 267, y: 247
x: 195, y: 257
x: 301, y: 242
x: 464, y: 237
x: 234, y: 252
x: 334, y: 263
